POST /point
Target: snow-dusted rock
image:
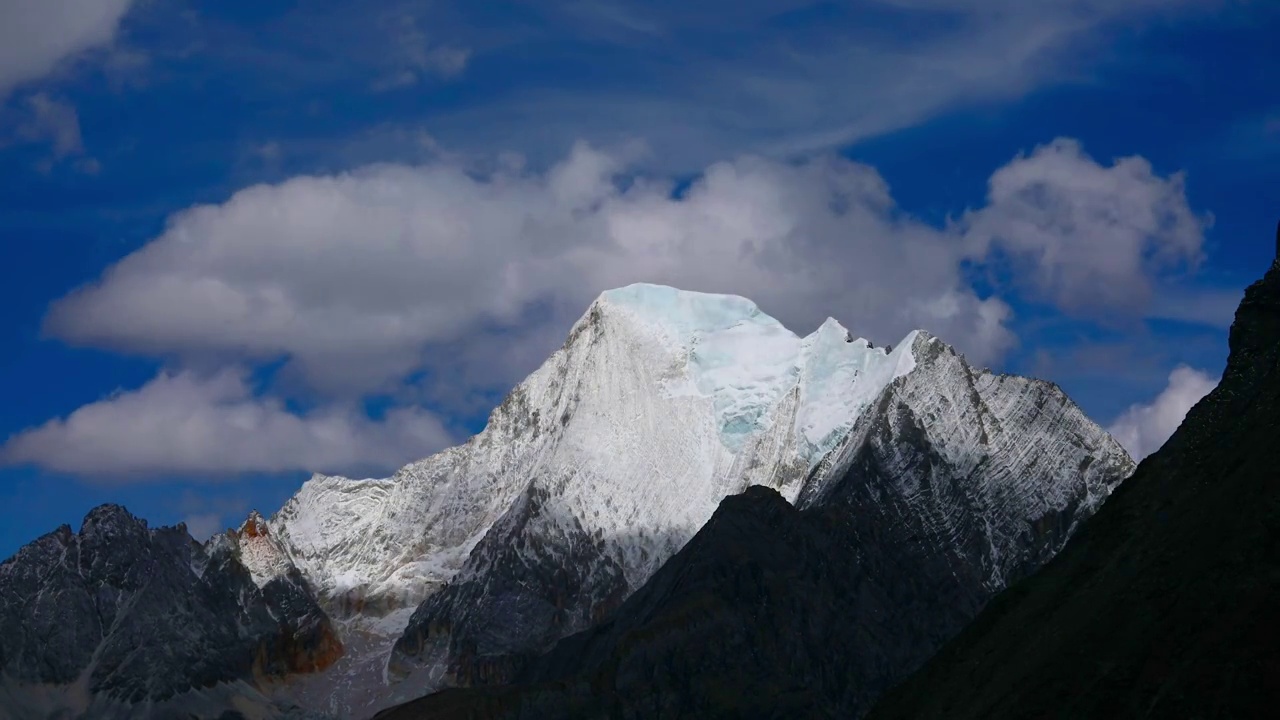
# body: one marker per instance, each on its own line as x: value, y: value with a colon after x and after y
x: 997, y: 466
x: 951, y: 485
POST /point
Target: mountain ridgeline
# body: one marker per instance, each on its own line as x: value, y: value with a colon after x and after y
x: 877, y: 499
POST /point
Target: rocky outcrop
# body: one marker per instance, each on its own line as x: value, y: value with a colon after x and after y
x: 1163, y: 605
x: 307, y: 642
x: 120, y: 619
x: 759, y: 610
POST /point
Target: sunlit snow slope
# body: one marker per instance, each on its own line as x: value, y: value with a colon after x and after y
x: 660, y: 404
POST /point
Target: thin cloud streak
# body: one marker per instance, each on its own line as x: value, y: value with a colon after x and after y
x: 797, y: 77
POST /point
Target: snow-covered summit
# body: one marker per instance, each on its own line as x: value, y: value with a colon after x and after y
x: 683, y: 313
x: 745, y: 361
x: 705, y: 391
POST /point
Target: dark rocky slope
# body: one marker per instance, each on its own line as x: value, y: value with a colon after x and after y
x: 764, y: 608
x: 121, y: 620
x: 1165, y: 603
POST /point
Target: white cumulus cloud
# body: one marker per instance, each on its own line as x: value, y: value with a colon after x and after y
x: 1087, y: 237
x: 55, y: 121
x: 184, y: 423
x: 353, y: 276
x: 1143, y: 428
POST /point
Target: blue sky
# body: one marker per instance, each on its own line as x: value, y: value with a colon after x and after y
x: 247, y: 240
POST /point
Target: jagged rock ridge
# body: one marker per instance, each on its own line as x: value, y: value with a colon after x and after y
x: 121, y: 620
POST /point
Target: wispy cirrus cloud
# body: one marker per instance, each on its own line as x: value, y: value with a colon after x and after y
x: 43, y: 40
x: 53, y: 121
x: 205, y: 516
x: 706, y: 81
x: 37, y: 35
x: 415, y: 56
x: 698, y: 82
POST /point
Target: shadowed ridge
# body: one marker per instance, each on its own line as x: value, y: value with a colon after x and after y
x: 703, y: 605
x: 1163, y: 605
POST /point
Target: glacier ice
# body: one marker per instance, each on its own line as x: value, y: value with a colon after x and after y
x: 745, y: 361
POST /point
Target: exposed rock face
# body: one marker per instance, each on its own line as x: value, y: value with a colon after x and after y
x: 307, y: 642
x: 123, y: 620
x: 521, y: 594
x: 1164, y: 604
x: 952, y: 484
x: 994, y: 471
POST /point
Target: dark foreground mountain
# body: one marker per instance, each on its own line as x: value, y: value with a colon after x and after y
x: 124, y: 621
x: 1166, y: 603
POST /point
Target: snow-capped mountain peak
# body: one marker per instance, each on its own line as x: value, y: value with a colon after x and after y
x: 602, y: 464
x: 650, y: 377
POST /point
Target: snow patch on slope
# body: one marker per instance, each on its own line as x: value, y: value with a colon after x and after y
x: 390, y: 540
x: 741, y: 358
x: 840, y: 377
